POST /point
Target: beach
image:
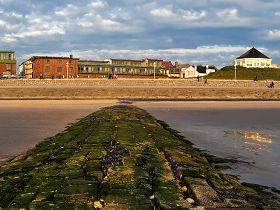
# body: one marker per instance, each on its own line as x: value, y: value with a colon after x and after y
x: 217, y: 127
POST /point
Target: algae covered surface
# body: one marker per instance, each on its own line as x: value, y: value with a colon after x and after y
x: 121, y: 157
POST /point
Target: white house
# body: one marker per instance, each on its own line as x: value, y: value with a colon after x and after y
x: 253, y: 59
x: 195, y: 71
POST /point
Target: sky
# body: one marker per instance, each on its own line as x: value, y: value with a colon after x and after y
x: 188, y: 31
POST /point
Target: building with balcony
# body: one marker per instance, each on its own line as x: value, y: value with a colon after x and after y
x: 122, y: 67
x: 28, y: 69
x: 7, y: 63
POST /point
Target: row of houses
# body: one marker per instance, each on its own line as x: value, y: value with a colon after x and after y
x: 71, y: 67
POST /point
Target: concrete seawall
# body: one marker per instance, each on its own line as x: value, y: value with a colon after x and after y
x: 138, y: 88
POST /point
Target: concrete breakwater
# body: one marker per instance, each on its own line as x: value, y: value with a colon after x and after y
x: 137, y: 88
x: 122, y: 158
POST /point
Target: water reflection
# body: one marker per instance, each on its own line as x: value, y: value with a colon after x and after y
x: 262, y: 138
x: 244, y: 133
x: 252, y: 141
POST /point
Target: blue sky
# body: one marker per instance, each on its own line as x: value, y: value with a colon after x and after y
x: 188, y: 31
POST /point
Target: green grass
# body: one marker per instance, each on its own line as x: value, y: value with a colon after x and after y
x: 242, y: 73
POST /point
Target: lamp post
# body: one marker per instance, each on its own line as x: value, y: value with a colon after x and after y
x: 67, y: 69
x: 235, y: 71
x: 154, y: 70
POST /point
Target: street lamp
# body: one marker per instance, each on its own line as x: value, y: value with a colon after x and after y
x: 154, y: 70
x: 235, y: 71
x: 67, y: 69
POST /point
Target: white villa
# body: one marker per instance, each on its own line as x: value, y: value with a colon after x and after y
x: 254, y: 59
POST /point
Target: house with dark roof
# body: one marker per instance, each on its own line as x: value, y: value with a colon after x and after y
x: 253, y: 58
x: 191, y: 71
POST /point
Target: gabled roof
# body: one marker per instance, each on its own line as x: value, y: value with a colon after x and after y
x: 167, y: 65
x: 201, y: 69
x: 253, y: 53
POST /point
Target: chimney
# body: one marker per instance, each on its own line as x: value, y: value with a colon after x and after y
x: 71, y: 56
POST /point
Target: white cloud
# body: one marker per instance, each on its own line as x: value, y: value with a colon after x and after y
x: 273, y: 34
x: 228, y: 13
x: 98, y: 4
x: 8, y: 39
x: 70, y: 10
x: 5, y: 26
x: 168, y: 13
x: 162, y: 12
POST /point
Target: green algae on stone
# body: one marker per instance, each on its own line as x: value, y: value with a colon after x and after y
x: 121, y: 157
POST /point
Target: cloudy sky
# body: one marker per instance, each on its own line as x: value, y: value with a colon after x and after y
x: 188, y: 31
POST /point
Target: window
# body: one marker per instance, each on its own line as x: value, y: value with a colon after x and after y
x: 8, y: 67
x: 70, y: 69
x: 59, y: 69
x: 59, y: 61
x: 47, y: 61
x: 47, y: 68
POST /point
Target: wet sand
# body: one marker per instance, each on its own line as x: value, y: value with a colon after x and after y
x: 25, y: 123
x: 221, y: 128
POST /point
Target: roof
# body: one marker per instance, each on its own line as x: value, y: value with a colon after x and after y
x: 93, y: 61
x: 168, y: 65
x: 3, y: 51
x: 201, y: 69
x: 151, y: 59
x: 51, y: 57
x: 180, y: 66
x: 121, y: 59
x: 253, y: 53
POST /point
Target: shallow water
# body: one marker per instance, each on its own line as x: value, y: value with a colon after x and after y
x: 25, y: 123
x: 245, y: 131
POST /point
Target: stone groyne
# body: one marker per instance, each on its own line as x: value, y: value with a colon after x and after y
x: 122, y: 158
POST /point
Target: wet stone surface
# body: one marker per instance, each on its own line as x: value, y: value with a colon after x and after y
x: 122, y: 158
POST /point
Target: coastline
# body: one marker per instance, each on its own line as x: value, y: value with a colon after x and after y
x: 194, y: 180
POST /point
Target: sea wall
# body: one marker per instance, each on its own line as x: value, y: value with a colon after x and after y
x: 138, y: 88
x: 135, y: 82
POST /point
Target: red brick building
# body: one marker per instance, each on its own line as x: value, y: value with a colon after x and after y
x: 56, y: 67
x: 8, y: 64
